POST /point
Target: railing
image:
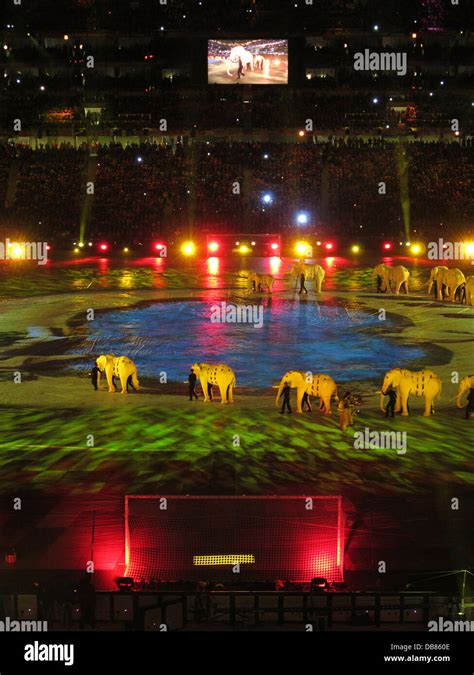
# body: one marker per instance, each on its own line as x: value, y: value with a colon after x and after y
x: 175, y: 610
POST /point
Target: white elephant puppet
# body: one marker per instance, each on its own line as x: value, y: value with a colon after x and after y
x: 218, y: 375
x: 319, y: 384
x: 117, y: 366
x: 391, y: 279
x: 421, y: 383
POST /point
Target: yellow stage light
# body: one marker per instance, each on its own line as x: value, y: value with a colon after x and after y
x: 188, y: 248
x: 125, y: 250
x: 415, y: 248
x: 244, y: 249
x: 76, y: 250
x: 355, y: 249
x: 301, y: 247
x: 81, y: 244
x: 469, y: 247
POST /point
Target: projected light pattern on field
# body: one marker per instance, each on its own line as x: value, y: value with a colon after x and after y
x: 170, y: 336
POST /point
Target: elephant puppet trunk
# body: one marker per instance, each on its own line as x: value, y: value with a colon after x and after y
x: 382, y: 404
x: 280, y: 389
x: 458, y: 398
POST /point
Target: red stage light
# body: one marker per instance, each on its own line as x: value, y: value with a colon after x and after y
x: 159, y: 247
x: 387, y: 246
x: 274, y: 246
x: 329, y: 246
x: 104, y: 247
x: 213, y: 246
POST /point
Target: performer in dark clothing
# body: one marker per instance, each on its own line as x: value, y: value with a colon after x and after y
x: 94, y: 376
x: 240, y: 71
x: 286, y: 399
x: 209, y: 390
x: 302, y: 286
x: 470, y: 403
x: 460, y: 293
x: 306, y: 402
x: 392, y: 399
x: 192, y: 383
x: 379, y: 284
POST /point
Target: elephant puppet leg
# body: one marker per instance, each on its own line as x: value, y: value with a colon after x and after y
x: 327, y: 406
x: 428, y: 407
x: 404, y: 403
x: 123, y: 382
x: 398, y: 403
x: 110, y: 382
x: 230, y: 393
x: 299, y: 400
x: 204, y: 388
x: 223, y: 392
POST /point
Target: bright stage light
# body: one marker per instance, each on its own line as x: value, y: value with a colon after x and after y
x: 244, y: 249
x: 15, y: 251
x: 329, y: 246
x: 213, y: 266
x: 125, y: 250
x: 302, y: 218
x: 415, y: 248
x: 188, y: 248
x: 104, y: 247
x: 275, y: 264
x: 159, y: 247
x: 274, y: 246
x: 267, y: 198
x: 355, y: 249
x: 387, y: 246
x: 81, y: 244
x: 301, y: 248
x: 469, y: 247
x: 213, y: 246
x: 301, y: 133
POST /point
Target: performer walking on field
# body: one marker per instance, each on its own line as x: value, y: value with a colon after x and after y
x: 192, y: 383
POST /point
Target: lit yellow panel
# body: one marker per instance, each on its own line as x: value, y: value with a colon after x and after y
x: 223, y: 559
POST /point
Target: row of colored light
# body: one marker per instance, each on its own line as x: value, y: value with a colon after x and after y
x: 189, y: 248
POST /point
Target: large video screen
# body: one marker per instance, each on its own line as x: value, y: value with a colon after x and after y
x: 247, y: 61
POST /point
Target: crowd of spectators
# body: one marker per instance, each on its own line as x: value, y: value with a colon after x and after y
x: 144, y: 191
x: 242, y: 14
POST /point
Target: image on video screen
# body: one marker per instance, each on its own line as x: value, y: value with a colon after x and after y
x: 247, y: 61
